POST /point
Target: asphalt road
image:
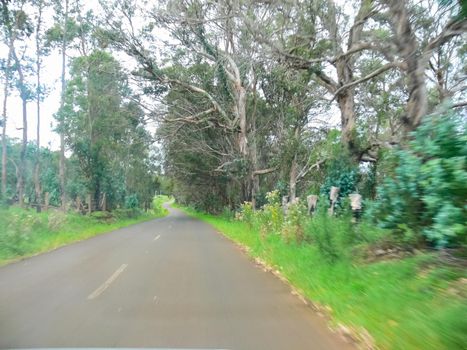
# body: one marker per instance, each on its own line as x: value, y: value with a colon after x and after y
x: 167, y: 283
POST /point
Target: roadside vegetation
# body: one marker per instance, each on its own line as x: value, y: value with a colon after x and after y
x: 402, y: 300
x: 26, y: 232
x: 259, y: 107
x: 397, y: 275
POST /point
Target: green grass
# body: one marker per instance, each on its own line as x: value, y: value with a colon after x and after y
x: 25, y: 233
x: 412, y: 303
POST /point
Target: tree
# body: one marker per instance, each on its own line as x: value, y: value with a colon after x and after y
x: 61, y: 35
x: 18, y: 26
x: 105, y: 131
x: 310, y: 39
x: 40, y: 50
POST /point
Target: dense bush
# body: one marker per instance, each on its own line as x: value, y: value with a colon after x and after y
x: 426, y: 196
x: 131, y: 201
x: 343, y: 174
x: 294, y: 221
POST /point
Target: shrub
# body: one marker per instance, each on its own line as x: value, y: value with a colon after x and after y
x: 126, y: 213
x: 102, y: 216
x: 427, y: 193
x: 332, y: 235
x: 56, y: 220
x: 293, y: 225
x: 17, y: 231
x: 246, y: 213
x: 131, y: 201
x: 343, y: 174
x: 272, y: 215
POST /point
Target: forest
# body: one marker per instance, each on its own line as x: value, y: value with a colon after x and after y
x: 263, y: 117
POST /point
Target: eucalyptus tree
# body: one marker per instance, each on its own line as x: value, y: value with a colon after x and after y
x: 18, y: 27
x: 41, y: 50
x: 61, y: 34
x: 332, y: 41
x: 296, y: 107
x: 90, y: 115
x: 7, y: 70
x: 210, y: 35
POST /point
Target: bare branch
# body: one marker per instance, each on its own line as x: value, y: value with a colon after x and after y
x: 306, y: 169
x: 373, y: 74
x: 454, y: 28
x: 459, y: 104
x: 265, y: 171
x: 201, y: 91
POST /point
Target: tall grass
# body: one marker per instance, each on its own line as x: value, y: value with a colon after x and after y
x: 411, y: 302
x: 24, y: 232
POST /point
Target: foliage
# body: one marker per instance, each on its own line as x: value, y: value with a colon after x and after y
x: 246, y: 213
x: 293, y: 225
x: 271, y: 216
x: 26, y: 232
x: 131, y: 201
x: 333, y: 236
x: 388, y: 299
x: 427, y: 193
x: 157, y: 205
x: 341, y: 173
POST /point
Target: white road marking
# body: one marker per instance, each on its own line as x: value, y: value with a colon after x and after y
x: 107, y: 283
x: 157, y: 237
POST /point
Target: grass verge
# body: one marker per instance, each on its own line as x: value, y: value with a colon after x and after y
x: 24, y: 233
x: 416, y: 302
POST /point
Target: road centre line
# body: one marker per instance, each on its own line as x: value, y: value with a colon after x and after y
x: 107, y: 283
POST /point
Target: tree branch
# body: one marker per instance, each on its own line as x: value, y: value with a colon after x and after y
x: 200, y: 91
x: 373, y: 74
x: 459, y: 104
x: 311, y: 167
x: 265, y: 171
x: 453, y: 28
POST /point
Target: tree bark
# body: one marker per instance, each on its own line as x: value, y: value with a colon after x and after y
x: 62, y: 102
x: 344, y: 69
x: 6, y: 88
x: 37, y: 184
x: 346, y: 103
x: 24, y: 143
x: 293, y: 179
x: 293, y: 173
x: 408, y: 49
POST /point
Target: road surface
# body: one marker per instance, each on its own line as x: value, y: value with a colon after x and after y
x: 168, y: 283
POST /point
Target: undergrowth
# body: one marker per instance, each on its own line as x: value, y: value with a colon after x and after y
x: 24, y: 232
x: 411, y: 301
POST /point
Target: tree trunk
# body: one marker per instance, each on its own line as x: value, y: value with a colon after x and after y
x: 24, y: 99
x: 241, y: 113
x: 346, y: 106
x: 293, y: 179
x: 37, y: 184
x: 62, y: 102
x: 24, y: 144
x: 409, y: 50
x: 4, y: 119
x: 344, y: 70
